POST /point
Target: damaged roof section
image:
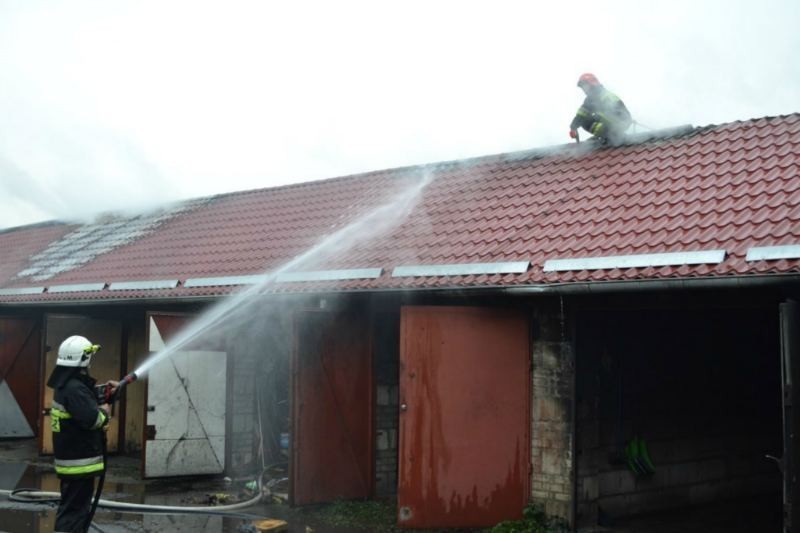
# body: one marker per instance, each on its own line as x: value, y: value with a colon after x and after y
x: 88, y: 241
x: 574, y: 213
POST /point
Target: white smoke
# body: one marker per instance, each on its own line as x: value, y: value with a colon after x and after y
x: 109, y: 105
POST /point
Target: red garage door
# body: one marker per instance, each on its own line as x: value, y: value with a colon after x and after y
x: 464, y: 423
x: 20, y: 358
x: 331, y: 408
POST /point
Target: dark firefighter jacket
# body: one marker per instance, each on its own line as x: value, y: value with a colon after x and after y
x: 78, y: 424
x: 602, y: 107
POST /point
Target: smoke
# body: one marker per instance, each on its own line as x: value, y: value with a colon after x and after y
x: 92, y: 111
x: 75, y: 181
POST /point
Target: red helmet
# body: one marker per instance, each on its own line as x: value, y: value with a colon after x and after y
x: 588, y: 79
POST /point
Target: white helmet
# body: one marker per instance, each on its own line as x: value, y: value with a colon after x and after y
x: 76, y: 351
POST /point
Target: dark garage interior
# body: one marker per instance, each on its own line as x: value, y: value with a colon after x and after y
x: 677, y: 410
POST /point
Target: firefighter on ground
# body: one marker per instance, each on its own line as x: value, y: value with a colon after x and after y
x: 78, y: 422
x: 602, y: 113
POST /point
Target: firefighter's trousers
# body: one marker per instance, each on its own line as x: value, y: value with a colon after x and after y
x: 76, y: 501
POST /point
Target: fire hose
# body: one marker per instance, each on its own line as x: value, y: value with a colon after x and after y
x: 34, y: 496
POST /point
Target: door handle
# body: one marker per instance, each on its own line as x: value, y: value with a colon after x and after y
x: 403, y: 407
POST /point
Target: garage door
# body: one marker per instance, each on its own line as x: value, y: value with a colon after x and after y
x: 20, y: 349
x: 464, y: 423
x: 331, y: 408
x: 186, y: 404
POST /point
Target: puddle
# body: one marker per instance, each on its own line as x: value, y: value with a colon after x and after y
x: 21, y: 466
x: 22, y: 517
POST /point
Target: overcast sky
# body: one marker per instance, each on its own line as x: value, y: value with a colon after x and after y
x: 128, y: 105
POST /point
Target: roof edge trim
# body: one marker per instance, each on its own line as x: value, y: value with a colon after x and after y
x: 329, y: 275
x: 635, y: 261
x: 461, y: 269
x: 77, y: 287
x: 772, y: 253
x: 19, y: 291
x: 143, y: 285
x: 223, y: 281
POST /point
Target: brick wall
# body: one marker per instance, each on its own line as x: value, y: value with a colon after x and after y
x: 552, y: 418
x: 242, y: 416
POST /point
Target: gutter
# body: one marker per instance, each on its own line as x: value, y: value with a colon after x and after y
x: 605, y: 287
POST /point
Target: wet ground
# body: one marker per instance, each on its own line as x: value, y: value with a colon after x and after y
x: 20, y: 466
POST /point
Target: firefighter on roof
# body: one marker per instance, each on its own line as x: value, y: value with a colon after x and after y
x: 78, y: 423
x: 602, y: 113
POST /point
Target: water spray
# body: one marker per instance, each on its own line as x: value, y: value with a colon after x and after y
x: 380, y: 220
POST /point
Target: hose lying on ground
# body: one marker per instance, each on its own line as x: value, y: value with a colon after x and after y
x: 37, y: 496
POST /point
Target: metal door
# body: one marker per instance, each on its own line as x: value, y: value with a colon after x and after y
x: 790, y: 373
x: 464, y: 423
x: 185, y: 418
x: 331, y: 408
x: 106, y: 364
x: 20, y: 348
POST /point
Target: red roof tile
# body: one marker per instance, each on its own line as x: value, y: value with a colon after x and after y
x: 18, y: 245
x: 728, y: 187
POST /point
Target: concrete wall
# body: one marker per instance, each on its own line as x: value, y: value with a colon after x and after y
x: 552, y: 406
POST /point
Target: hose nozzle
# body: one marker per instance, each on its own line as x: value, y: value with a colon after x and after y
x: 130, y: 378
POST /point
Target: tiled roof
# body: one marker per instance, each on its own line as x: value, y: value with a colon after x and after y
x: 18, y: 245
x: 724, y: 188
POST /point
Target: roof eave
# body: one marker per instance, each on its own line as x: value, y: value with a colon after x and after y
x: 589, y: 287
